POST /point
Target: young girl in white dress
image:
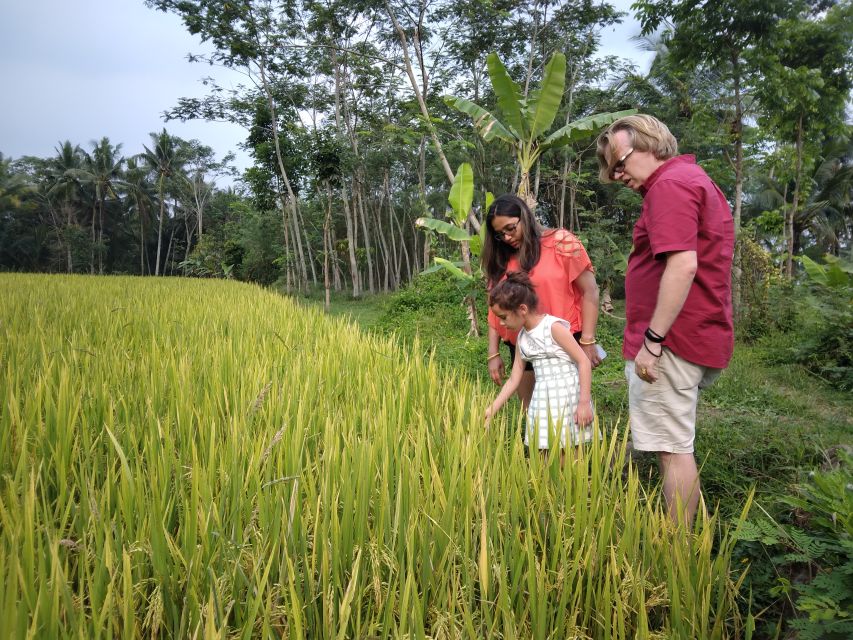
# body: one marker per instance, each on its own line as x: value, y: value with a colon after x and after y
x: 561, y: 406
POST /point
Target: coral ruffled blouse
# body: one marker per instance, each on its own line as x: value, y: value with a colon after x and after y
x: 562, y: 259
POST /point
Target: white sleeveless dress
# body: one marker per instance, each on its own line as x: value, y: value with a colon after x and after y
x: 551, y: 413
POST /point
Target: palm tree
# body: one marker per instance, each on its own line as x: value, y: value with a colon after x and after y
x: 101, y: 169
x: 829, y: 210
x: 139, y: 189
x: 163, y: 160
x: 825, y: 217
x: 63, y: 186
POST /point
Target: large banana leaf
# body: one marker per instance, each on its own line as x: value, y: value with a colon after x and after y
x: 817, y: 273
x: 544, y: 103
x: 486, y: 124
x: 462, y: 193
x: 583, y: 128
x: 509, y: 96
x: 833, y: 275
x: 445, y: 228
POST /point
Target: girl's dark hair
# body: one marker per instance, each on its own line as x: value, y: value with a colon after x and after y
x: 496, y: 253
x: 513, y: 292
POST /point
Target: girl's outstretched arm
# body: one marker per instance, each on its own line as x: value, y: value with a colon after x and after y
x: 510, y: 386
x: 563, y: 336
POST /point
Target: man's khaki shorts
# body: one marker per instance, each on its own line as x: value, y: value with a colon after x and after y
x: 663, y: 413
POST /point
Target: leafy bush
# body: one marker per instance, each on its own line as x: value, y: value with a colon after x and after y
x: 432, y: 307
x: 609, y: 253
x: 757, y: 277
x: 811, y: 557
x: 827, y: 344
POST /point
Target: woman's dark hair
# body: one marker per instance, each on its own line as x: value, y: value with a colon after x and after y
x: 496, y: 253
x: 513, y: 292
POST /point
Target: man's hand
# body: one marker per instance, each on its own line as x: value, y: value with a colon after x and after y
x: 646, y: 365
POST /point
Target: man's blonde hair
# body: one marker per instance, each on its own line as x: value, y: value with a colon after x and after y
x: 647, y: 133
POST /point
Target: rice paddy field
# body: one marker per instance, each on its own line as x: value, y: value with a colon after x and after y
x: 207, y: 459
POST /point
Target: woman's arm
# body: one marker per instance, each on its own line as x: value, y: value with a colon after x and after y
x: 581, y: 283
x: 563, y: 336
x: 509, y: 388
x: 589, y: 314
x: 496, y: 364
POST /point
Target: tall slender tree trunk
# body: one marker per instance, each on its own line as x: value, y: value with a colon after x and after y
x: 327, y: 223
x: 337, y: 277
x: 789, y: 223
x: 69, y: 256
x: 419, y: 95
x: 342, y: 120
x: 199, y: 206
x: 141, y: 239
x: 396, y: 253
x: 387, y: 252
x: 94, y: 243
x: 368, y: 247
x: 349, y: 216
x: 169, y: 250
x: 289, y: 279
x: 297, y: 236
x: 738, y: 136
x: 190, y: 231
x: 310, y: 253
x: 100, y: 245
x: 351, y: 240
x: 291, y: 202
x: 422, y: 196
x: 160, y: 227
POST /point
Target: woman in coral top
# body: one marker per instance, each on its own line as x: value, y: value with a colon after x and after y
x: 559, y: 268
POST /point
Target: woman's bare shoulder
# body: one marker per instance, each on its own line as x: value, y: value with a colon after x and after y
x: 562, y: 240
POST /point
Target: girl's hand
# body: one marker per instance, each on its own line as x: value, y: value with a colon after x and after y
x: 496, y: 370
x: 583, y: 414
x: 489, y: 413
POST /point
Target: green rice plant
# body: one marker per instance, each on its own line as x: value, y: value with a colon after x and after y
x: 187, y: 458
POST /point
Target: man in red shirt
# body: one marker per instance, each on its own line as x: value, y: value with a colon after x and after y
x: 679, y: 333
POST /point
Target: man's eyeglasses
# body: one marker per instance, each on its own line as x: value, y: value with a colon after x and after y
x: 506, y: 231
x: 619, y: 167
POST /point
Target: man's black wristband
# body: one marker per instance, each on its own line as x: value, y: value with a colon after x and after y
x: 651, y: 335
x: 656, y: 355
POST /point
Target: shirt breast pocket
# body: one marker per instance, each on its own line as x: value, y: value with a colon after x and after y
x: 727, y: 239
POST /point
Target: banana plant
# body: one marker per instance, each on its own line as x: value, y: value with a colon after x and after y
x: 526, y: 120
x: 467, y: 273
x: 460, y: 199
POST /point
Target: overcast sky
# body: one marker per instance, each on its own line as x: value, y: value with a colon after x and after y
x: 79, y: 70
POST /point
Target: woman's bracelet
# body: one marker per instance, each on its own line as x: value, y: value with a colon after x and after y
x: 656, y: 355
x: 586, y: 343
x: 494, y: 355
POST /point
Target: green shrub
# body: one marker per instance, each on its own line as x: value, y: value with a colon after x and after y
x: 826, y: 347
x: 432, y: 308
x: 811, y: 558
x: 757, y: 278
